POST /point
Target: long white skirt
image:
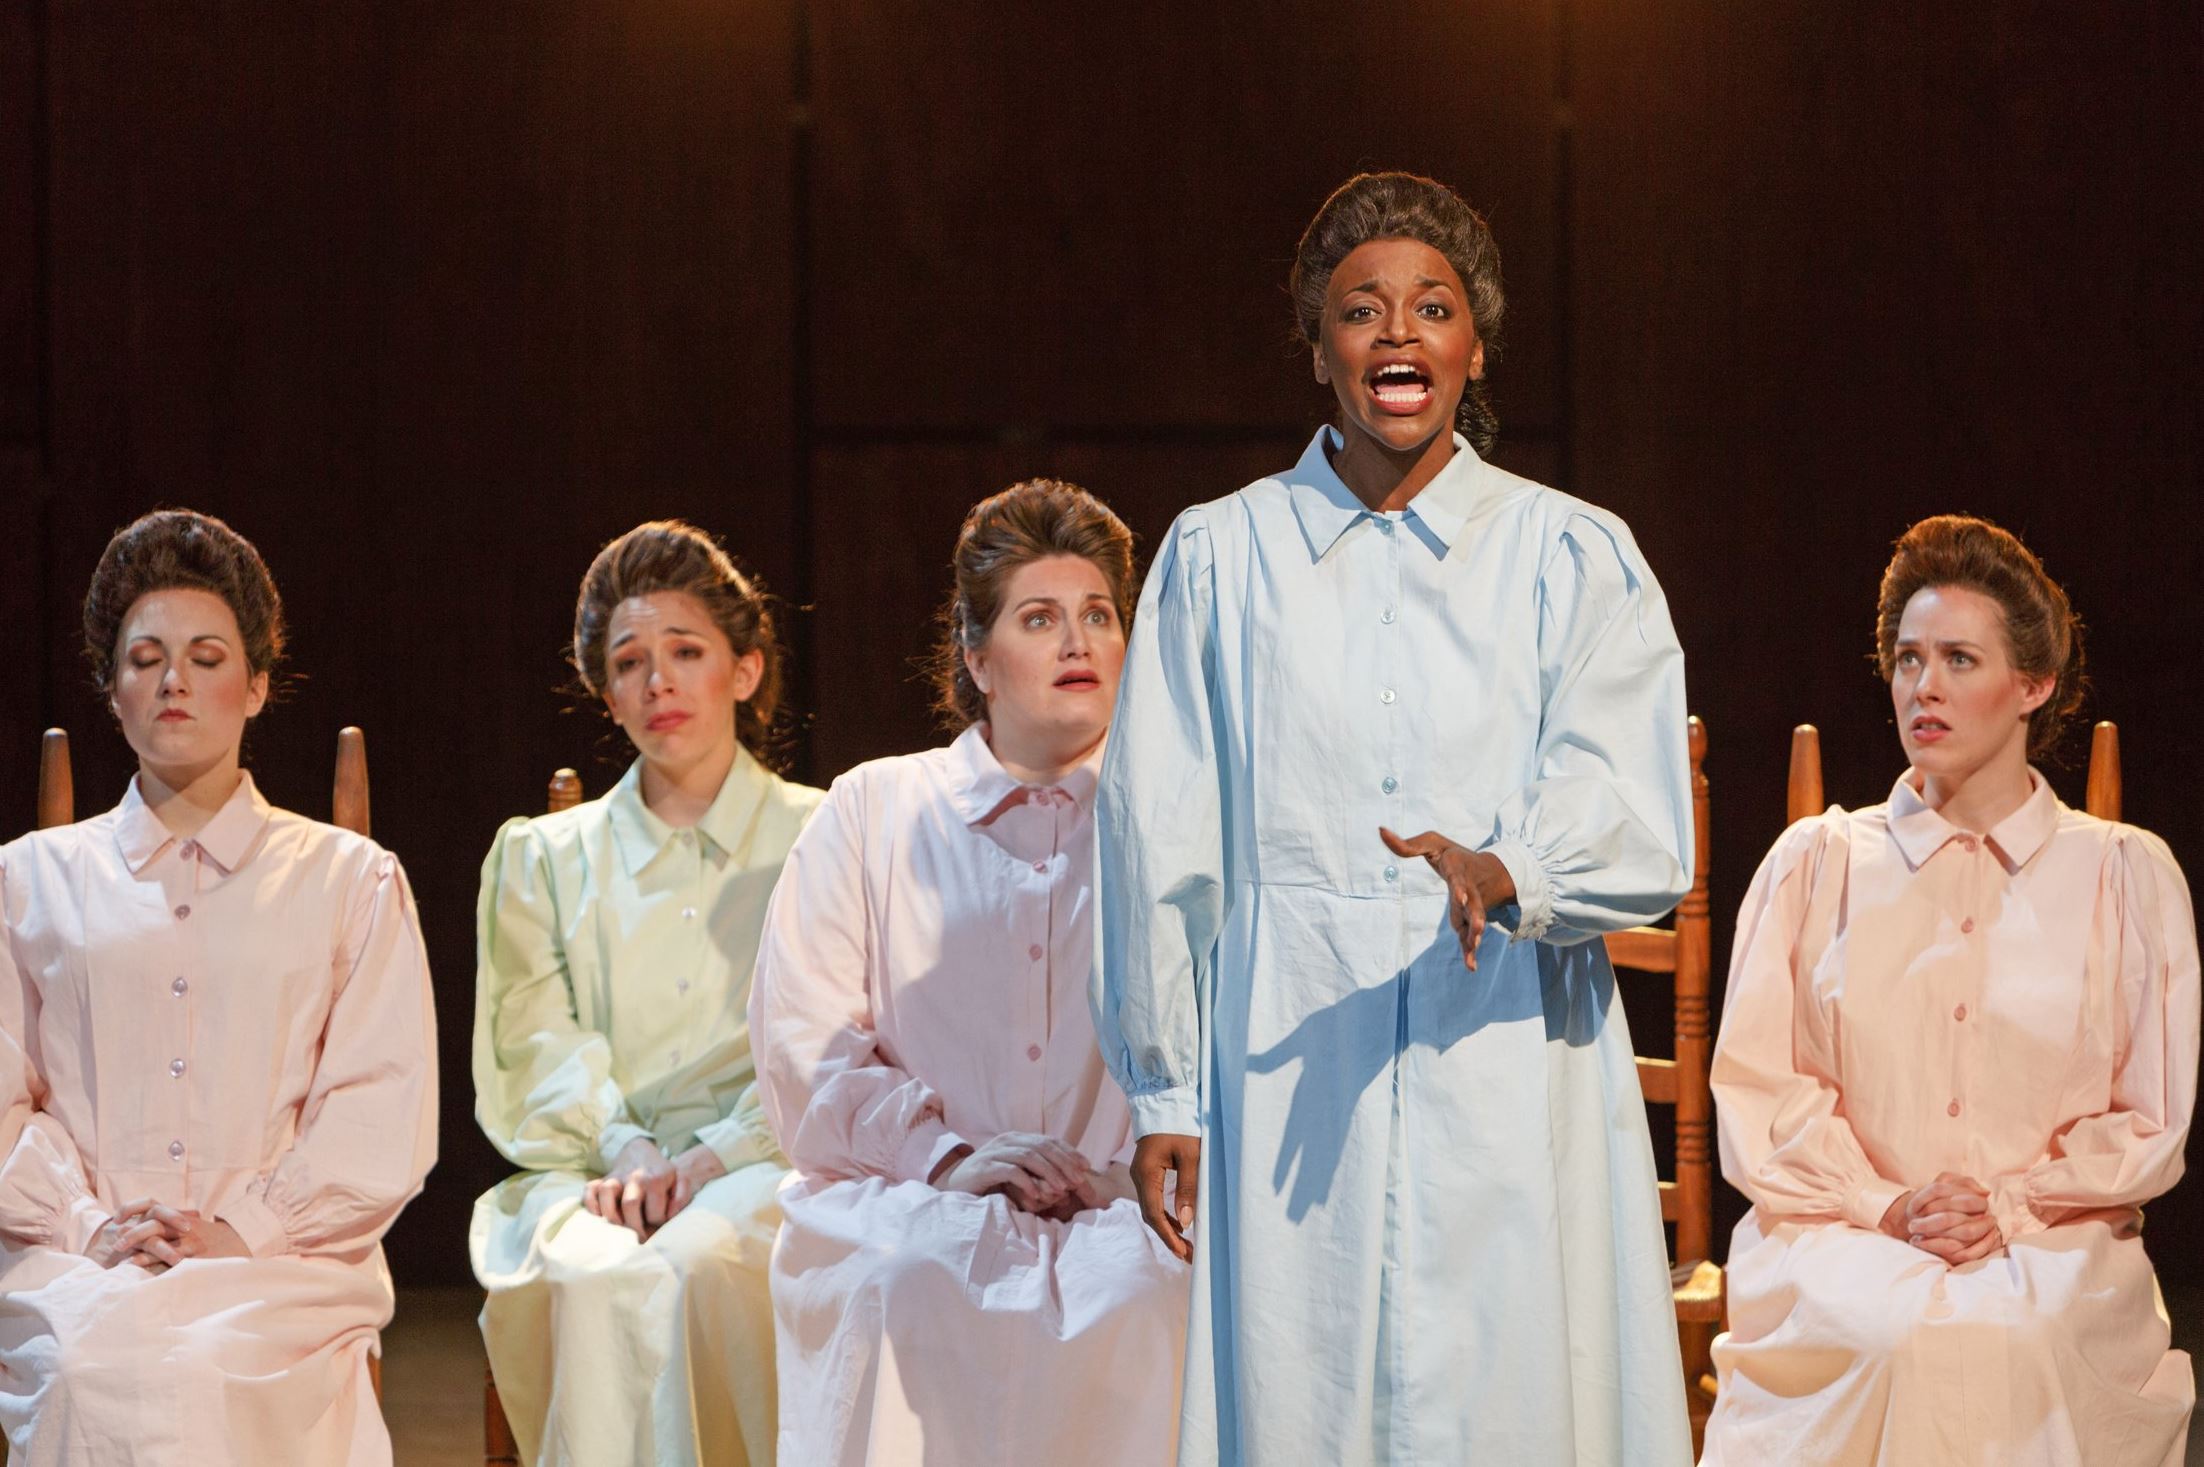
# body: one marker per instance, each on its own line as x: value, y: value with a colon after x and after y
x: 1848, y: 1348
x: 217, y: 1360
x: 920, y: 1327
x: 610, y: 1350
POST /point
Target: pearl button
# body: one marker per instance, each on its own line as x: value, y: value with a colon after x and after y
x: 1392, y: 873
x: 1967, y: 926
x: 680, y: 985
x: 1385, y: 696
x: 1385, y: 525
x: 176, y: 1068
x: 1034, y: 952
x: 190, y: 850
x: 1386, y: 616
x: 175, y: 1151
x: 1960, y: 1013
x: 1389, y: 784
x: 179, y: 987
x: 182, y: 913
x: 688, y: 914
x: 1952, y: 1109
x: 1033, y: 1051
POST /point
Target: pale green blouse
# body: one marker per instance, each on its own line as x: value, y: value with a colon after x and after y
x: 612, y: 976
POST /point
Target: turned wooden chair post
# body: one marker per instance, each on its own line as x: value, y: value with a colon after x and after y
x: 57, y: 796
x: 498, y: 1447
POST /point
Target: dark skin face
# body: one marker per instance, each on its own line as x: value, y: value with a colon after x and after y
x: 1398, y: 348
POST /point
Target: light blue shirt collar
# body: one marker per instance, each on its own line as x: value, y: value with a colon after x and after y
x: 1327, y: 508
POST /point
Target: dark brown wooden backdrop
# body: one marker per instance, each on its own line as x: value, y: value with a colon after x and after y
x: 431, y: 300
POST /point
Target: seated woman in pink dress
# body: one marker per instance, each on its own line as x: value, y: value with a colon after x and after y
x: 217, y: 1064
x: 962, y: 1274
x: 1958, y: 1054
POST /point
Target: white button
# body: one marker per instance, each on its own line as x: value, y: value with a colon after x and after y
x: 1392, y: 873
x: 688, y: 914
x: 1386, y: 616
x: 182, y: 913
x: 1385, y: 524
x: 1389, y: 784
x: 179, y: 988
x: 176, y: 1067
x: 175, y: 1151
x: 1385, y: 696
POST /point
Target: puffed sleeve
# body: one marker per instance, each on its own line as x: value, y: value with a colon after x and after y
x: 1785, y: 1141
x: 1159, y: 822
x: 2132, y: 1151
x: 544, y: 1090
x: 839, y: 1103
x: 44, y: 1195
x: 366, y: 1134
x: 1601, y: 839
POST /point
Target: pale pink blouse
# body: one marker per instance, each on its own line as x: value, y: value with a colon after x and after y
x: 239, y: 1024
x: 1907, y: 998
x: 936, y: 920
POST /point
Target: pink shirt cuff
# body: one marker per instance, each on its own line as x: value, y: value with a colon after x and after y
x: 86, y: 1216
x: 257, y: 1224
x: 2009, y: 1204
x: 928, y: 1143
x: 1865, y: 1205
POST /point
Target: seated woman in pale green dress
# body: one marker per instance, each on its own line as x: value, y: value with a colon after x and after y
x: 628, y: 1318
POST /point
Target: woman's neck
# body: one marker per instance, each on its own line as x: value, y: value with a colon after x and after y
x: 680, y: 796
x: 185, y: 800
x: 1386, y: 478
x: 1978, y: 799
x: 1030, y: 759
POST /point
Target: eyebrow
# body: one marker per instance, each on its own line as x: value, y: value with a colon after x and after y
x: 1949, y: 644
x: 631, y: 634
x: 188, y: 641
x: 1052, y: 601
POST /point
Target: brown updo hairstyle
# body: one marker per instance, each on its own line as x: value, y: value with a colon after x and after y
x: 1407, y: 206
x: 673, y: 555
x: 179, y: 549
x: 1028, y: 521
x: 2042, y: 633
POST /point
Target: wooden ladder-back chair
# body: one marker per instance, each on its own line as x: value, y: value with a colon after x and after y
x: 348, y: 807
x: 2101, y: 797
x: 498, y: 1447
x: 1684, y: 951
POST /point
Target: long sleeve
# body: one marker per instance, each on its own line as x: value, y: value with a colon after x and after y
x: 44, y: 1194
x: 742, y: 1137
x: 1159, y: 819
x: 545, y: 1092
x: 1601, y: 839
x: 2133, y: 1150
x: 1785, y: 1141
x: 839, y: 1103
x: 367, y: 1130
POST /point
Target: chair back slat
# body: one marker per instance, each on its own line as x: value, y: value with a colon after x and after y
x: 348, y: 800
x: 57, y: 793
x: 2103, y: 797
x: 1805, y: 797
x: 566, y: 791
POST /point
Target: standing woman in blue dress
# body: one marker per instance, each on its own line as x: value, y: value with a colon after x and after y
x: 1400, y: 735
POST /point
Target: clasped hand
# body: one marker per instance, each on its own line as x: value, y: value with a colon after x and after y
x: 157, y: 1237
x: 1038, y: 1174
x: 644, y: 1190
x: 1950, y: 1218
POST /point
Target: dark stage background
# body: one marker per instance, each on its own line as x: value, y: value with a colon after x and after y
x: 430, y: 300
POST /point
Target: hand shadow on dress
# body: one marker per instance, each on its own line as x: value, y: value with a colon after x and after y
x: 1346, y: 1045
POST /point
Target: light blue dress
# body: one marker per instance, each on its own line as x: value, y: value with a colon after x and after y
x: 1429, y: 1230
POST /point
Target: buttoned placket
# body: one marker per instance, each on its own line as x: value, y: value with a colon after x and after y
x: 1390, y: 667
x: 1969, y: 854
x: 691, y: 861
x: 1040, y: 951
x: 184, y: 888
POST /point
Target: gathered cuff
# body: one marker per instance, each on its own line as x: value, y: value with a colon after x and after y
x: 1534, y: 894
x: 84, y: 1216
x: 923, y: 1149
x: 1175, y: 1111
x: 256, y: 1223
x: 1865, y: 1204
x: 2013, y: 1207
x: 614, y: 1139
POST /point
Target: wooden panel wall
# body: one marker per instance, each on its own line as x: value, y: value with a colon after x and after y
x: 432, y: 302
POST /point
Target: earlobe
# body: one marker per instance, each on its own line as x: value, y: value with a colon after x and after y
x: 976, y: 665
x: 1317, y: 364
x: 1477, y: 362
x: 749, y: 672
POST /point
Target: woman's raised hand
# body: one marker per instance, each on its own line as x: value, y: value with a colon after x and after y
x: 1475, y: 880
x: 1950, y: 1218
x: 1037, y: 1173
x: 638, y: 1191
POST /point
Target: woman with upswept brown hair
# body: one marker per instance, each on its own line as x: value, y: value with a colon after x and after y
x: 1958, y: 1054
x: 962, y: 1276
x: 628, y: 1319
x: 217, y: 1064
